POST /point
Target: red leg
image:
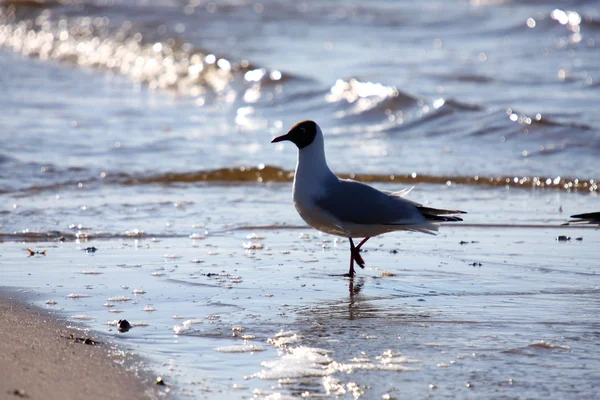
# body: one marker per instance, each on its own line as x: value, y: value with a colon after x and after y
x: 357, y: 255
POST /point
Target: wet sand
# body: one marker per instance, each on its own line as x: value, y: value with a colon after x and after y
x: 40, y: 361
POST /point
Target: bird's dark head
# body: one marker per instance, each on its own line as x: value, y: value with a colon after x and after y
x: 302, y: 134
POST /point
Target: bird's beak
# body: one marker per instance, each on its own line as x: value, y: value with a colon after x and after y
x: 280, y: 138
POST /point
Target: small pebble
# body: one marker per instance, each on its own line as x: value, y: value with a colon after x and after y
x: 124, y: 325
x: 563, y: 238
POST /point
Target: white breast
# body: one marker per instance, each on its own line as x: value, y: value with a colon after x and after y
x: 310, y: 182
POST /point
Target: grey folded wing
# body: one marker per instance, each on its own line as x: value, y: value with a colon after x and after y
x: 355, y: 202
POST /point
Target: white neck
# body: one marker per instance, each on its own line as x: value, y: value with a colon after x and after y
x: 312, y: 164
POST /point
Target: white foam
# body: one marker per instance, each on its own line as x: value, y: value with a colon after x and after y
x: 299, y: 362
x: 283, y: 339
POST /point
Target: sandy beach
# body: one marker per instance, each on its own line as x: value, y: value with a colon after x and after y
x: 41, y: 361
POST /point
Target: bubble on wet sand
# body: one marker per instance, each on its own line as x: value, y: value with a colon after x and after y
x: 254, y: 236
x: 51, y: 302
x: 82, y: 317
x: 149, y: 309
x: 266, y: 395
x: 172, y: 256
x: 253, y: 246
x: 138, y: 291
x: 244, y: 348
x: 186, y: 325
x: 85, y: 272
x: 119, y: 298
x: 337, y: 388
x: 135, y: 233
x: 77, y: 296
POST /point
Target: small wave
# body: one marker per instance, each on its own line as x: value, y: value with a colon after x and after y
x: 375, y: 107
x: 266, y: 173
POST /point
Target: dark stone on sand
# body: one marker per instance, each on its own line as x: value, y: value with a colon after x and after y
x: 19, y: 393
x: 124, y: 326
x: 563, y: 238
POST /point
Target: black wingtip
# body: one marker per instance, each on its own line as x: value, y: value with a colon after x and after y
x: 441, y: 215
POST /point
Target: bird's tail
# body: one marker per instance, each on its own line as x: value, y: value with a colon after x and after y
x: 436, y: 214
x: 587, y: 218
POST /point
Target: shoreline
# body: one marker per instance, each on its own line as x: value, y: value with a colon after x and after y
x: 41, y: 361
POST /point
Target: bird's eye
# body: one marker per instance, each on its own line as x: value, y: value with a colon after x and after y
x: 302, y: 130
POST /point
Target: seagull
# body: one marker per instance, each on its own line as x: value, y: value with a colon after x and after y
x: 348, y: 208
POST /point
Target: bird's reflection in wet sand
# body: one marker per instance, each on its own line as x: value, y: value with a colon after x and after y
x: 355, y: 287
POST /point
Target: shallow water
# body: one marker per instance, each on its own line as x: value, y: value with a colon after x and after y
x: 481, y: 310
x: 143, y: 129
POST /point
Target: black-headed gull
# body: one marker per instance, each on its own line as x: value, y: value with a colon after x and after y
x: 349, y: 208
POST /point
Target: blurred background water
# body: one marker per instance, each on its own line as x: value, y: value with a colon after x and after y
x: 154, y: 92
